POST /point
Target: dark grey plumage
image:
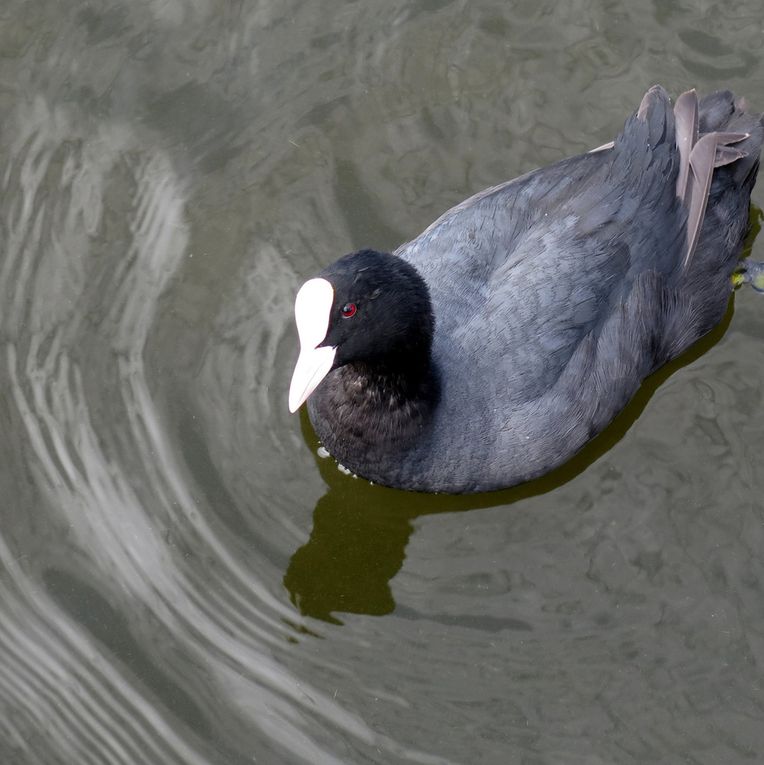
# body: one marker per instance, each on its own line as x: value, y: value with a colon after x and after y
x: 554, y: 296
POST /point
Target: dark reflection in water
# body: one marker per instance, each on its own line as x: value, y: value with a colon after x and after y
x: 357, y: 545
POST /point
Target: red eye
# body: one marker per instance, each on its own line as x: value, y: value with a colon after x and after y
x: 349, y: 310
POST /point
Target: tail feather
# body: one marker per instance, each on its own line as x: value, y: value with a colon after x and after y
x: 722, y: 112
x: 711, y: 134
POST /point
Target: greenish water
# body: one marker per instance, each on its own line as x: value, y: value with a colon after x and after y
x: 182, y: 578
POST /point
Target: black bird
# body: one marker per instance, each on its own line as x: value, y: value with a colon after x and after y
x: 492, y: 347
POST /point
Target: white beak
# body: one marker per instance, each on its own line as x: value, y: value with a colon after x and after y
x: 312, y: 308
x: 312, y: 366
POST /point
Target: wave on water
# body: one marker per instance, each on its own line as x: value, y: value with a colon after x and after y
x: 121, y: 583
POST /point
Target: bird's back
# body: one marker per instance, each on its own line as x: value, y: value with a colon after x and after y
x: 557, y: 293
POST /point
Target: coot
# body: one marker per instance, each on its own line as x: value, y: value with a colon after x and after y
x: 492, y: 347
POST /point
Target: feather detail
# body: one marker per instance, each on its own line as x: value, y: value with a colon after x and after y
x: 698, y: 156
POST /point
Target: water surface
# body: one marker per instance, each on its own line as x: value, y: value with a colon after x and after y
x: 182, y: 578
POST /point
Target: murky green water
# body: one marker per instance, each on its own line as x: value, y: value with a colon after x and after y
x: 182, y: 578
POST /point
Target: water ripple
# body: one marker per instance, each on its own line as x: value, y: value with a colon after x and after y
x: 134, y: 525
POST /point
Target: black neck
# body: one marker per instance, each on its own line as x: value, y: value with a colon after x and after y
x: 367, y: 406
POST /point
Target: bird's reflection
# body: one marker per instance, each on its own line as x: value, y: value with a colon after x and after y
x: 360, y: 531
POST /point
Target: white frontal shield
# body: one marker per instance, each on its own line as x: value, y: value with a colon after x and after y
x: 312, y: 308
